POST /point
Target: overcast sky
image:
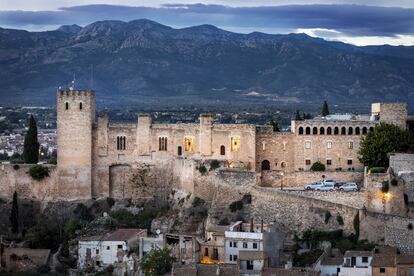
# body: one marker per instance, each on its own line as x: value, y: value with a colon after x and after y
x: 360, y: 22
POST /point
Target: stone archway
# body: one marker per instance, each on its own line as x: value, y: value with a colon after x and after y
x: 265, y: 165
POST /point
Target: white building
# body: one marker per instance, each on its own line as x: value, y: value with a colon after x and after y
x: 329, y: 263
x: 101, y: 251
x: 356, y: 263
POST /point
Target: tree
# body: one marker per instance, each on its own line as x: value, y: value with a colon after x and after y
x: 31, y: 145
x: 307, y: 116
x: 318, y: 167
x: 275, y: 125
x: 297, y: 116
x: 14, y: 215
x: 325, y: 109
x: 384, y: 139
x: 157, y: 262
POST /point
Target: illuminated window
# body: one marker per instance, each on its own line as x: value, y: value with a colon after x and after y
x: 235, y: 144
x: 308, y: 145
x: 189, y: 144
x: 329, y: 145
x: 162, y: 143
x: 350, y: 145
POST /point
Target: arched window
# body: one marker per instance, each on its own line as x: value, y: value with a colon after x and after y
x: 343, y: 131
x: 357, y: 131
x: 322, y: 131
x: 265, y: 165
x: 80, y: 106
x: 336, y: 130
x: 350, y: 131
x: 67, y: 105
x: 162, y: 143
x: 300, y: 130
x: 315, y: 131
x: 121, y: 143
x: 371, y: 129
x: 364, y: 130
x: 329, y: 131
x: 283, y: 164
x: 307, y: 130
x: 222, y: 150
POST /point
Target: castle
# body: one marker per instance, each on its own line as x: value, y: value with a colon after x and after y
x: 91, y: 151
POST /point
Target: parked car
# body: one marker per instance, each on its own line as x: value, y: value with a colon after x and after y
x: 313, y: 186
x: 350, y: 186
x: 326, y: 187
x: 329, y: 181
x: 339, y: 184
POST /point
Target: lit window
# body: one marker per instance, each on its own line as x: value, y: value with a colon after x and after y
x: 162, y: 143
x: 263, y: 145
x: 235, y: 143
x: 307, y: 162
x: 189, y: 144
x: 308, y: 145
x: 329, y: 145
x: 350, y: 145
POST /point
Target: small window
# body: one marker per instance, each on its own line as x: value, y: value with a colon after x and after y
x: 349, y: 161
x: 255, y: 245
x: 231, y: 258
x: 300, y: 130
x: 206, y: 251
x: 308, y: 145
x: 231, y: 244
x: 235, y: 244
x: 357, y: 131
x: 108, y: 248
x: 350, y: 145
x: 315, y: 131
x: 162, y: 143
x: 283, y: 164
x: 343, y: 131
x: 98, y: 263
x: 329, y: 131
x: 121, y: 143
x: 222, y: 150
x: 364, y: 259
x: 180, y: 150
x: 382, y: 269
x: 189, y: 144
x: 371, y: 129
x: 97, y: 251
x: 119, y: 246
x: 235, y: 144
x: 234, y: 257
x: 308, y: 131
x: 245, y: 245
x: 350, y: 131
x: 329, y: 145
x: 67, y: 105
x: 322, y: 131
x: 364, y: 130
x: 80, y: 106
x: 336, y: 130
x: 307, y: 162
x: 328, y: 162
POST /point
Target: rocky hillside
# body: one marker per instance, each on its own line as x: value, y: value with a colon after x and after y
x: 143, y: 61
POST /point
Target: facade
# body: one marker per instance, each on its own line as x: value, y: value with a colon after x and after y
x: 101, y: 251
x: 330, y: 262
x: 94, y: 154
x: 356, y: 263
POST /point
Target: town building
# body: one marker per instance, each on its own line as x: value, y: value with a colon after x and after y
x: 330, y: 262
x: 356, y: 263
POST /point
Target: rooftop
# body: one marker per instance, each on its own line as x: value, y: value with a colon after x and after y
x: 118, y: 235
x: 358, y: 254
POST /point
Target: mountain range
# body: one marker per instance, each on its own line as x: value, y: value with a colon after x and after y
x: 144, y: 62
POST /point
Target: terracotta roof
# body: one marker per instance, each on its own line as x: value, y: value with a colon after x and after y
x: 288, y: 272
x: 251, y: 255
x: 383, y: 260
x: 126, y: 234
x: 358, y: 254
x: 405, y: 259
x: 333, y: 261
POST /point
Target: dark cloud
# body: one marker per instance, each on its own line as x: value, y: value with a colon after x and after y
x: 353, y: 20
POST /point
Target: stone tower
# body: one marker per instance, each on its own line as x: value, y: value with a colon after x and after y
x: 390, y: 113
x: 206, y: 127
x: 75, y: 118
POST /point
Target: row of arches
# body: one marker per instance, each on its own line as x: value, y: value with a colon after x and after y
x: 334, y: 130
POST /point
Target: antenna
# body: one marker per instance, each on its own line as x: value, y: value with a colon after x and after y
x: 91, y: 76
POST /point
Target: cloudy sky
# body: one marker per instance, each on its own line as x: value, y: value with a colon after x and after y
x: 360, y: 22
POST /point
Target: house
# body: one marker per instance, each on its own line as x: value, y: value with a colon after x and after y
x: 101, y: 251
x: 356, y: 263
x: 405, y: 265
x: 330, y: 262
x: 212, y: 248
x: 383, y: 261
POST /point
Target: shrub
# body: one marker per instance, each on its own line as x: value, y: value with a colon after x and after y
x: 356, y: 225
x: 215, y: 164
x: 410, y: 226
x: 236, y: 205
x: 38, y: 172
x: 385, y: 187
x: 318, y: 167
x: 202, y: 169
x: 394, y: 182
x: 16, y: 167
x: 327, y: 216
x: 197, y: 202
x: 224, y: 221
x: 247, y: 199
x: 340, y: 220
x: 377, y: 170
x: 110, y: 201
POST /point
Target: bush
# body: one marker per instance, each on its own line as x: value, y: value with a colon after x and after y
x: 385, y: 187
x: 236, y: 205
x: 16, y: 167
x: 247, y: 199
x: 377, y: 170
x: 38, y: 172
x: 215, y: 164
x: 394, y: 182
x: 157, y: 262
x: 224, y: 221
x: 327, y: 216
x: 110, y: 201
x: 197, y: 202
x: 202, y: 169
x: 340, y: 220
x: 318, y: 167
x: 356, y: 226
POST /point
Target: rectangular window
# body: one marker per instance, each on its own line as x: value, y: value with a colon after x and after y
x: 307, y: 162
x: 329, y: 145
x: 108, y: 248
x: 231, y: 258
x: 308, y: 145
x: 235, y: 143
x: 255, y: 245
x: 350, y: 145
x: 231, y: 244
x: 349, y: 161
x: 328, y: 162
x: 97, y: 251
x: 162, y: 143
x: 188, y: 144
x: 364, y: 259
x: 234, y: 257
x: 382, y: 269
x: 235, y: 244
x: 245, y: 245
x: 121, y: 143
x: 119, y: 246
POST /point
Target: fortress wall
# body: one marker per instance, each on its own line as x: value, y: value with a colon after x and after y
x: 20, y: 180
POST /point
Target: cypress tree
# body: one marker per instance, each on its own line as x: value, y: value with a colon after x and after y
x: 31, y: 145
x: 297, y: 116
x: 14, y: 215
x: 325, y: 109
